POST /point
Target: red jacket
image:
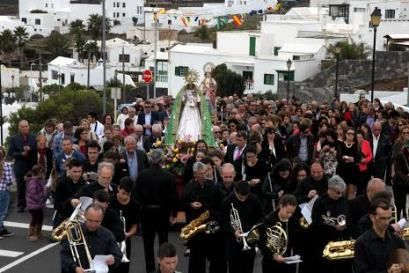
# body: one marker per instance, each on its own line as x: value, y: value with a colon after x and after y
x: 366, y: 154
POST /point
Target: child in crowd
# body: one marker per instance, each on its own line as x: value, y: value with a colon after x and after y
x: 6, y: 179
x: 35, y: 198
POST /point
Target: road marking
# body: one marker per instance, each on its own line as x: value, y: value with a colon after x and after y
x: 24, y: 225
x: 8, y: 253
x: 28, y: 256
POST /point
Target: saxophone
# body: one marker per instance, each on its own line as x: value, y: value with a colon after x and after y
x: 339, y: 250
x: 198, y: 225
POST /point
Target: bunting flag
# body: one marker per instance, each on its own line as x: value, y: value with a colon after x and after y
x: 221, y: 22
x: 184, y: 21
x: 237, y: 20
x: 196, y: 18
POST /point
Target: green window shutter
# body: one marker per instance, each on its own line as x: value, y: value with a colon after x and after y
x: 252, y: 46
x: 268, y: 79
x: 177, y: 70
x: 276, y: 49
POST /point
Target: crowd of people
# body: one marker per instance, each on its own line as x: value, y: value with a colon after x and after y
x: 347, y: 161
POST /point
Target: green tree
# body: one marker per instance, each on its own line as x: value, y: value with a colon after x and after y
x: 7, y: 45
x: 228, y: 82
x: 203, y: 33
x: 21, y: 36
x: 71, y: 105
x: 77, y: 27
x: 57, y: 44
x: 95, y: 26
x: 350, y: 51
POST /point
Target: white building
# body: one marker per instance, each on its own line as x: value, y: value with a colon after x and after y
x: 44, y: 16
x: 357, y: 14
x: 9, y: 77
x: 64, y: 71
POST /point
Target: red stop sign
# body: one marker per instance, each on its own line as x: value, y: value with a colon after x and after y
x: 147, y: 76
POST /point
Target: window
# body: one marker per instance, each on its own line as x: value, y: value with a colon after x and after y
x: 72, y: 77
x: 54, y: 74
x: 123, y: 14
x: 359, y: 9
x: 118, y: 4
x: 276, y: 49
x: 24, y: 20
x: 114, y: 15
x: 269, y: 79
x: 37, y: 22
x: 124, y: 58
x: 296, y: 57
x: 123, y: 5
x: 390, y: 14
x: 46, y: 5
x: 117, y: 14
x: 114, y: 4
x: 288, y: 75
x: 162, y: 66
x: 62, y: 75
x: 252, y: 46
x: 181, y: 70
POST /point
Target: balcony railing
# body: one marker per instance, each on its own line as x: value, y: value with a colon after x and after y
x: 249, y: 84
x: 162, y: 78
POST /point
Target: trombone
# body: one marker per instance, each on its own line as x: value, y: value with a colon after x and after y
x: 72, y: 229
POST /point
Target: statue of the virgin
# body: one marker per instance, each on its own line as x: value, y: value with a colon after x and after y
x: 190, y: 119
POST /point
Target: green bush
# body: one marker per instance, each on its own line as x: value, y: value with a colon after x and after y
x: 71, y: 105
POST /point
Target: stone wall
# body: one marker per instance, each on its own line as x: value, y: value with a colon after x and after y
x: 352, y: 74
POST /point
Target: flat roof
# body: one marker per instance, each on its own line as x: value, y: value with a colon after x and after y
x: 302, y: 48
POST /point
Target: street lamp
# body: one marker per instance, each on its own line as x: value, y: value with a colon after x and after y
x: 376, y: 16
x: 289, y: 63
x: 337, y: 52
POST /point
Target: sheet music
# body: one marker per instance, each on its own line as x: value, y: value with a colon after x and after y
x: 306, y: 209
x: 99, y: 264
x: 292, y: 259
x: 85, y: 202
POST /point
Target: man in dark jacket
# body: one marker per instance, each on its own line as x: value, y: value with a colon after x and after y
x: 156, y: 191
x: 147, y: 118
x: 300, y: 146
x: 20, y: 145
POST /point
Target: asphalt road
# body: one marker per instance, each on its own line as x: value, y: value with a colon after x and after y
x: 18, y: 255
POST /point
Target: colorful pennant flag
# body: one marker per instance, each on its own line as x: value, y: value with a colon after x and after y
x: 221, y: 22
x: 237, y: 20
x: 184, y: 21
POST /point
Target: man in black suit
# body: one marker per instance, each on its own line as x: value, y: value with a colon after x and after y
x: 20, y: 145
x: 156, y: 191
x: 133, y: 160
x: 300, y: 146
x: 147, y: 118
x: 236, y: 153
x: 381, y: 152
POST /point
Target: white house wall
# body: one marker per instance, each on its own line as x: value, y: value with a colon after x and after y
x: 236, y: 43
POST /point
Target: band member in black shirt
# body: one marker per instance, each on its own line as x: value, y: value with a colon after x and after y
x: 246, y: 210
x: 130, y: 211
x: 373, y: 249
x: 329, y: 223
x: 273, y: 261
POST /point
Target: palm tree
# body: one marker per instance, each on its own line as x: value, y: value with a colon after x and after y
x: 350, y: 51
x: 77, y: 27
x: 21, y: 36
x: 7, y: 44
x: 57, y: 44
x: 95, y: 25
x: 91, y: 47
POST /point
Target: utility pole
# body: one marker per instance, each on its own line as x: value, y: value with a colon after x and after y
x: 155, y: 19
x: 123, y: 72
x: 41, y: 78
x: 104, y: 68
x: 88, y: 72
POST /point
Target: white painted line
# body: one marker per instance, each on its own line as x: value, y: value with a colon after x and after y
x: 28, y: 256
x: 24, y: 225
x: 8, y: 253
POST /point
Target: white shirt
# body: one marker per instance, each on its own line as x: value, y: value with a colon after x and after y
x: 375, y: 144
x: 98, y: 129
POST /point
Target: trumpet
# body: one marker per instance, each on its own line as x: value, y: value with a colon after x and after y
x: 235, y: 222
x: 122, y: 245
x: 277, y: 239
x: 71, y: 229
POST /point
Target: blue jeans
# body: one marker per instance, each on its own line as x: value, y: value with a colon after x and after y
x: 4, y: 205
